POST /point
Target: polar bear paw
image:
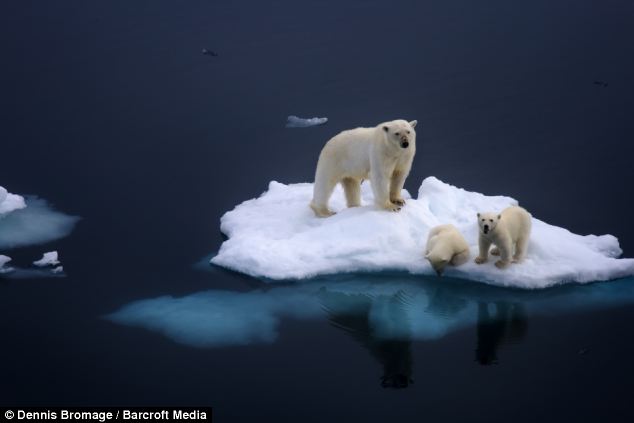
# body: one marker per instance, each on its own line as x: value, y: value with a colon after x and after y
x: 502, y: 264
x: 322, y: 211
x: 392, y: 207
x: 398, y: 201
x: 480, y: 260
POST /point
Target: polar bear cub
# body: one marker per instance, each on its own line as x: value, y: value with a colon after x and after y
x: 446, y: 245
x: 383, y: 154
x: 509, y: 231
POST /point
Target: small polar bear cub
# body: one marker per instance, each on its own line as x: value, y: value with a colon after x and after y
x: 382, y: 154
x: 509, y: 231
x: 446, y: 245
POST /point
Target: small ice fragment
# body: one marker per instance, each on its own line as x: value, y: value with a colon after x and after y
x: 3, y: 261
x: 57, y: 270
x: 10, y: 202
x: 297, y: 122
x: 48, y: 259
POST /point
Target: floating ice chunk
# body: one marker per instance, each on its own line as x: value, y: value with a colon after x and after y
x: 4, y: 260
x: 57, y: 270
x: 10, y: 202
x: 297, y: 122
x: 3, y: 264
x: 36, y: 223
x: 371, y: 308
x: 277, y: 236
x: 48, y: 259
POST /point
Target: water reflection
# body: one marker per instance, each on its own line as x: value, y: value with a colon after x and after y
x: 383, y: 313
x: 387, y: 339
x: 498, y: 323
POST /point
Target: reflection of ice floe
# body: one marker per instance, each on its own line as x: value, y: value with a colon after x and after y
x: 48, y: 259
x: 297, y: 122
x: 372, y: 309
x: 36, y: 223
x: 276, y: 236
x: 10, y: 202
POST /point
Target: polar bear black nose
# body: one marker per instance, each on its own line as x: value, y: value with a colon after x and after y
x: 404, y: 144
x: 486, y: 228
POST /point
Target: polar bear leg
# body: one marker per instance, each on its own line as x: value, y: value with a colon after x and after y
x: 396, y: 187
x: 321, y: 194
x: 483, y: 245
x: 505, y: 245
x: 520, y: 250
x: 352, y: 188
x: 381, y: 190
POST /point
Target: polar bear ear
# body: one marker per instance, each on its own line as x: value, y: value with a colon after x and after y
x: 478, y: 214
x: 385, y: 128
x: 413, y: 123
x: 499, y: 216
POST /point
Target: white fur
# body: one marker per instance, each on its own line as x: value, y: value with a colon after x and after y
x: 508, y: 231
x: 357, y: 154
x: 446, y: 245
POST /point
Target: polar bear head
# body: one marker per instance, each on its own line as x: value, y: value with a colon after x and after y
x: 488, y: 221
x: 438, y: 261
x: 400, y: 132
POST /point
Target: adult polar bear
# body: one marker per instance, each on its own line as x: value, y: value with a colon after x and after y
x: 383, y: 153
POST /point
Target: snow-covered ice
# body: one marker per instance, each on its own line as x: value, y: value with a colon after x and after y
x: 10, y: 202
x: 297, y: 122
x: 48, y: 259
x: 277, y: 236
x: 376, y: 308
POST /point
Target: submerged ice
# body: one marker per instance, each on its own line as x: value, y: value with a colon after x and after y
x: 26, y: 222
x: 277, y: 236
x: 373, y: 309
x: 32, y: 221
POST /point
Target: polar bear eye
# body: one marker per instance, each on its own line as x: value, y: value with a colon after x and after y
x: 408, y: 132
x: 396, y: 133
x: 483, y: 220
x: 491, y: 220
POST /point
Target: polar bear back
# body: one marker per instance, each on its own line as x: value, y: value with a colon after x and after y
x: 517, y: 221
x: 348, y: 153
x: 445, y: 240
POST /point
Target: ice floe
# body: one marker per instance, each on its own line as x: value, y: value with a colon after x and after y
x: 297, y: 122
x: 277, y: 236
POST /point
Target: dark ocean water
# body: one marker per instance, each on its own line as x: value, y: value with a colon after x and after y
x: 110, y: 112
